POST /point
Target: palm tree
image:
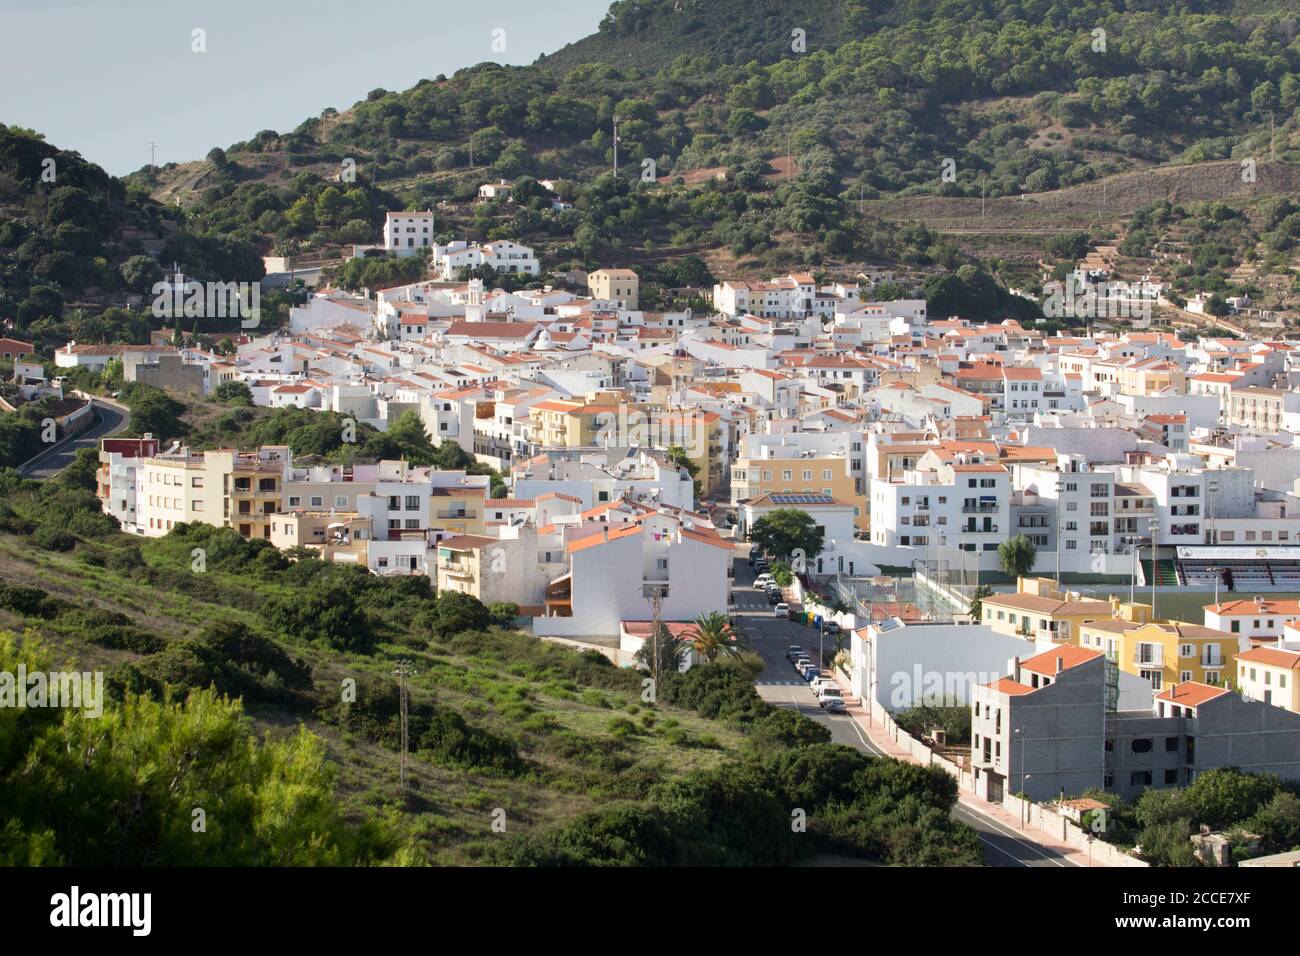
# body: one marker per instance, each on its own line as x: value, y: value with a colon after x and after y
x: 713, y: 636
x: 977, y: 601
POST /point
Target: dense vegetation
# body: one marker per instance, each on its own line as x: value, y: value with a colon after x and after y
x: 1019, y: 97
x: 1244, y: 806
x: 277, y: 671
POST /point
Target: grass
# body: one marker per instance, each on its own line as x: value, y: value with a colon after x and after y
x: 582, y: 740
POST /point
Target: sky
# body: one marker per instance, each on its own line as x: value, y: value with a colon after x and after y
x: 108, y: 77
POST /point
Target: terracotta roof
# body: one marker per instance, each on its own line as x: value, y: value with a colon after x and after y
x: 1191, y: 693
x: 1068, y: 655
x: 594, y: 539
x: 1272, y: 656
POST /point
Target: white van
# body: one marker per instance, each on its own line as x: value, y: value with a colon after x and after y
x: 825, y: 687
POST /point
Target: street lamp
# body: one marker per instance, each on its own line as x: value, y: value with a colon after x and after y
x: 1218, y: 574
x: 1024, y: 777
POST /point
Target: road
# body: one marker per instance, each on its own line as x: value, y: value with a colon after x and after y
x: 47, y: 464
x: 782, y: 686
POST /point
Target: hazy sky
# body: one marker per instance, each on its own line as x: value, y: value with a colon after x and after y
x: 106, y: 77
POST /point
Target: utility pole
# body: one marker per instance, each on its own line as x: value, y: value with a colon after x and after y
x: 153, y: 156
x: 616, y: 146
x: 1155, y: 530
x: 655, y: 594
x: 403, y: 672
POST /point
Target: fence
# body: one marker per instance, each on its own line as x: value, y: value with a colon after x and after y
x: 1035, y: 816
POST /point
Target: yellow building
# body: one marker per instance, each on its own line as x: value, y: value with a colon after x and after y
x: 1039, y: 611
x: 457, y: 510
x: 753, y: 477
x: 604, y: 421
x: 615, y: 285
x: 1165, y: 652
x: 1151, y: 377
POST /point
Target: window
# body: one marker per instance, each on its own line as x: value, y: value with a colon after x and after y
x: 412, y: 502
x: 1140, y: 778
x: 340, y: 501
x: 1171, y: 745
x: 317, y: 501
x: 1140, y: 745
x: 295, y: 501
x: 1171, y: 777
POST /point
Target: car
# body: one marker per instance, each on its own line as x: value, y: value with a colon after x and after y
x: 834, y: 705
x: 831, y: 627
x: 781, y: 610
x: 755, y: 551
x: 811, y: 673
x: 798, y: 664
x: 793, y: 651
x: 763, y: 582
x: 774, y: 598
x: 824, y: 685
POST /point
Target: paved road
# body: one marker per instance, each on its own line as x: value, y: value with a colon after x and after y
x: 108, y: 420
x: 781, y: 685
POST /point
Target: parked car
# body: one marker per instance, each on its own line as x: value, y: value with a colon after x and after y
x: 811, y: 673
x: 775, y: 597
x: 793, y: 651
x: 831, y: 627
x: 800, y: 660
x: 763, y: 582
x: 834, y: 705
x: 824, y: 686
x: 781, y: 610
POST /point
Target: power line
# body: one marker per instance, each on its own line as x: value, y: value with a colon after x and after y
x: 403, y: 672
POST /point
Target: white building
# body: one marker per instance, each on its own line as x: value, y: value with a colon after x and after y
x: 406, y: 233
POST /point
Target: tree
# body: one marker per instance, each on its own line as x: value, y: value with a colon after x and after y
x: 662, y: 653
x: 81, y: 792
x: 326, y: 611
x: 409, y: 432
x: 233, y: 393
x: 789, y: 533
x: 713, y: 636
x: 456, y: 612
x: 1017, y: 556
x: 976, y: 610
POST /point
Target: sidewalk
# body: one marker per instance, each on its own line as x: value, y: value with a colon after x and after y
x: 882, y: 740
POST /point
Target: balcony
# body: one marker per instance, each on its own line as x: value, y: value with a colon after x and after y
x: 460, y: 572
x: 979, y: 509
x: 458, y: 515
x: 1148, y: 661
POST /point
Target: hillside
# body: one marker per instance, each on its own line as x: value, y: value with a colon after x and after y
x: 75, y: 242
x: 763, y: 154
x: 258, y: 686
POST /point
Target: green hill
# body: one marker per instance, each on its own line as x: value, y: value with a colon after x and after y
x: 767, y: 156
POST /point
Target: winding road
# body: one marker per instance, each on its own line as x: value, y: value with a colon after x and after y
x: 109, y: 420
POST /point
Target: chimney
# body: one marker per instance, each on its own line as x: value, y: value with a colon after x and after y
x: 1060, y: 664
x: 1015, y: 669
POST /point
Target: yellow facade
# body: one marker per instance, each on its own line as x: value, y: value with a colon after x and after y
x: 1040, y: 610
x: 1166, y: 652
x: 752, y: 477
